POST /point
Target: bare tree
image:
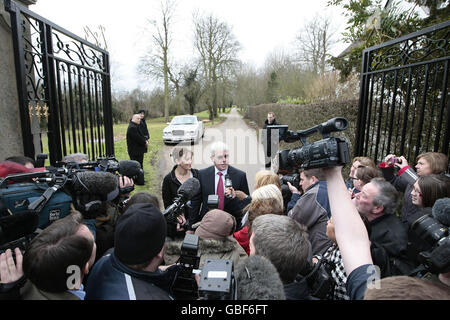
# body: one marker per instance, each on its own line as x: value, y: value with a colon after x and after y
x: 314, y: 43
x: 218, y: 49
x: 156, y: 63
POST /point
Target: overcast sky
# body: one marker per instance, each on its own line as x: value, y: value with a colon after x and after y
x: 261, y: 27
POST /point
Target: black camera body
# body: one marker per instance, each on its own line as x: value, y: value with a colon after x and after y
x: 213, y: 202
x: 217, y: 281
x: 437, y: 259
x: 328, y: 152
x: 185, y: 287
x: 293, y: 179
x: 319, y: 278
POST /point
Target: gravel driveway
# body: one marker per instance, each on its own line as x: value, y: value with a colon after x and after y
x: 246, y: 153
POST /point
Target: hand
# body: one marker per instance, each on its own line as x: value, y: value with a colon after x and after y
x: 164, y: 268
x: 146, y: 143
x: 181, y: 222
x: 10, y: 271
x: 230, y: 191
x: 293, y: 189
x: 124, y: 182
x: 331, y: 172
x: 388, y: 158
x: 401, y: 163
x: 241, y: 195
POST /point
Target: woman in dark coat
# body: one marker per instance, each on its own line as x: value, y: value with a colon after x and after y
x: 181, y: 172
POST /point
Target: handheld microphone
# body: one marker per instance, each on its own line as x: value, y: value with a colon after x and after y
x: 189, y: 189
x: 132, y: 169
x: 258, y: 279
x: 228, y: 184
x: 441, y: 211
x: 18, y: 225
x: 186, y: 192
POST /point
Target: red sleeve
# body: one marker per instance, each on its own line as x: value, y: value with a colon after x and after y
x: 399, y: 173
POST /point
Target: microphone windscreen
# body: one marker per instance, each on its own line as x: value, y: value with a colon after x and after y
x: 189, y: 188
x: 132, y: 169
x: 441, y: 211
x: 18, y: 225
x: 99, y: 183
x: 258, y: 279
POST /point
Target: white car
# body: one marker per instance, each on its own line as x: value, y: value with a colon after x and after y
x: 184, y: 128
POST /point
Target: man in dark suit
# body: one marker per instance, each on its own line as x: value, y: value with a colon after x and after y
x: 136, y: 142
x: 143, y: 125
x: 212, y: 181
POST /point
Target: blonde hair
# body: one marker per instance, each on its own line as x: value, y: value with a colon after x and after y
x: 265, y: 177
x: 269, y: 191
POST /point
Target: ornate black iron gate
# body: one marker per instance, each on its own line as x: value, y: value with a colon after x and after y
x: 403, y: 106
x: 64, y: 89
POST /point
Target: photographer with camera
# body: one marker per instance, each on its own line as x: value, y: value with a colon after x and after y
x: 312, y: 208
x: 131, y: 270
x: 427, y: 163
x: 377, y: 201
x: 57, y: 260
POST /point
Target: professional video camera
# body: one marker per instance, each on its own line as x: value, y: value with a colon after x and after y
x: 217, y: 281
x: 17, y: 230
x: 329, y: 152
x: 185, y: 193
x: 433, y: 230
x: 129, y: 168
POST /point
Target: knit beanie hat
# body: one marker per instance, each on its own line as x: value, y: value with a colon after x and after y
x: 140, y: 234
x: 216, y: 225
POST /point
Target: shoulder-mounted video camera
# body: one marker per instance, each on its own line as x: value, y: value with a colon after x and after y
x: 328, y: 152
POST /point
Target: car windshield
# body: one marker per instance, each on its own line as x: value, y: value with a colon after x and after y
x: 183, y: 120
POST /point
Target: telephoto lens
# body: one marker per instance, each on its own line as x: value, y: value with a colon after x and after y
x: 429, y: 229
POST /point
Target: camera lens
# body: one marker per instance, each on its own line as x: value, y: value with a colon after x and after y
x: 429, y: 230
x: 340, y: 124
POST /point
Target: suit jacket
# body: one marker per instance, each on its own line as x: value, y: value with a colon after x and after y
x: 207, y: 183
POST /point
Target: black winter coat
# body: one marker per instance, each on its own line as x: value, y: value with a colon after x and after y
x: 136, y: 142
x: 170, y: 188
x: 275, y: 123
x: 391, y: 234
x: 143, y: 129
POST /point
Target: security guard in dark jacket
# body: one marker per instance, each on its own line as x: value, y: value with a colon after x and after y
x: 136, y: 142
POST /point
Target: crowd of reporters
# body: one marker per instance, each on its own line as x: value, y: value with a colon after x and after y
x: 276, y: 238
